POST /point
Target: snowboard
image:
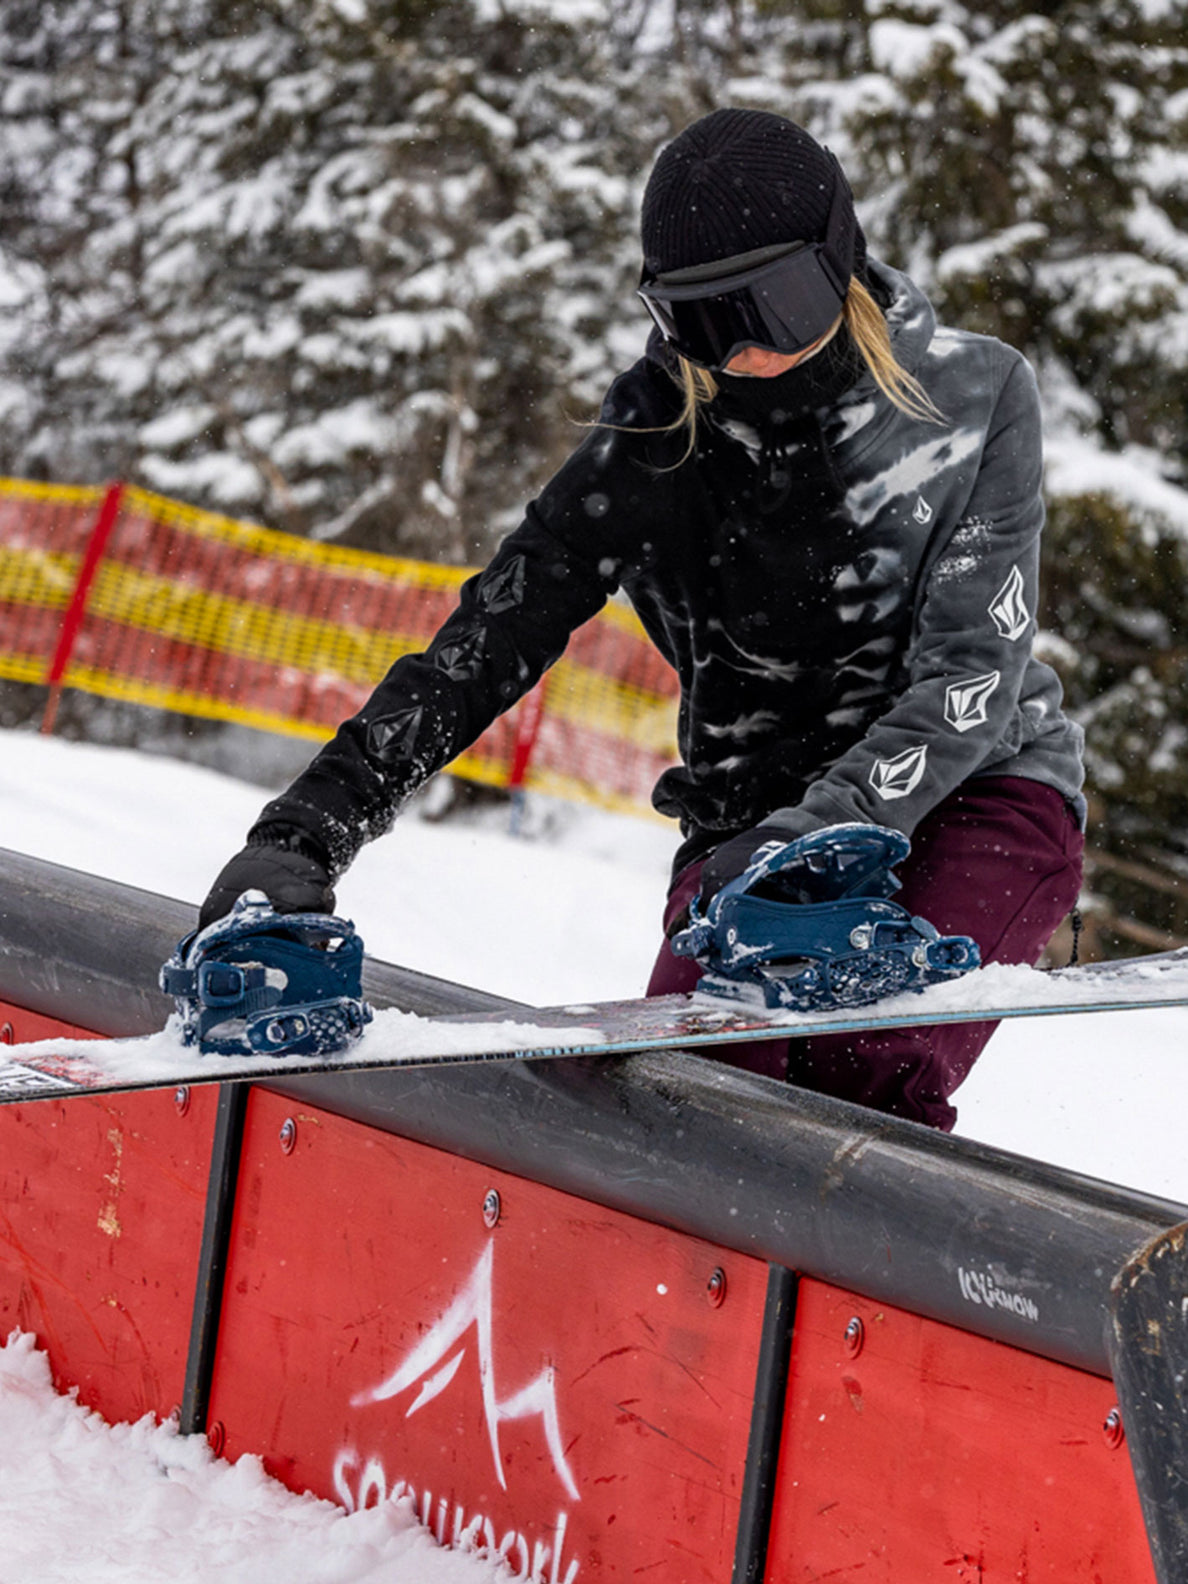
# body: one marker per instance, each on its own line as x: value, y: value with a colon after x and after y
x: 56, y: 1068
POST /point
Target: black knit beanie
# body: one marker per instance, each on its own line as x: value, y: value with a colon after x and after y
x: 737, y: 180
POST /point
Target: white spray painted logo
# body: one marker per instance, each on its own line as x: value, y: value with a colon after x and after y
x: 360, y: 1485
x: 979, y: 1288
x: 433, y: 1364
x: 428, y: 1364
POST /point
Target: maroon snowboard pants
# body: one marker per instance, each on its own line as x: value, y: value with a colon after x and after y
x: 1000, y: 860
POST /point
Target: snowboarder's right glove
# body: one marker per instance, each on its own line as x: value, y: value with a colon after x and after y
x: 284, y: 864
x: 735, y: 856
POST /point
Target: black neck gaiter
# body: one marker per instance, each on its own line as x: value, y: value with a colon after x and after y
x: 820, y: 382
x: 797, y: 474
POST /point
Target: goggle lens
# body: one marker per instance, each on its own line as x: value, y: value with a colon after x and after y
x: 782, y: 306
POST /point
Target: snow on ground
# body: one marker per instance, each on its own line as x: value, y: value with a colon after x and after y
x: 565, y: 912
x: 583, y: 892
x: 83, y: 1502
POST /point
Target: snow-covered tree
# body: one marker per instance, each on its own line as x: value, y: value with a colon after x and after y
x: 343, y: 267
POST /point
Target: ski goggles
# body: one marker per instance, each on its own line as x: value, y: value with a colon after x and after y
x: 781, y: 303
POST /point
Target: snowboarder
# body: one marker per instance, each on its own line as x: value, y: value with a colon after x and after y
x: 826, y: 510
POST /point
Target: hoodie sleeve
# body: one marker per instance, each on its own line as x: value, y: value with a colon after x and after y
x: 975, y: 623
x: 512, y: 622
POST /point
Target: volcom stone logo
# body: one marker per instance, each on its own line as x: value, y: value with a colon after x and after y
x: 393, y: 737
x: 461, y: 658
x: 965, y: 702
x: 437, y: 1357
x: 503, y: 589
x: 1009, y: 613
x: 896, y: 778
x: 923, y: 511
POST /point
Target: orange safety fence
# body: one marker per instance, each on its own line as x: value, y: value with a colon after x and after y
x: 128, y: 595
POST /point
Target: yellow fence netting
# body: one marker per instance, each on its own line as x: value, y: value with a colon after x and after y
x: 128, y: 595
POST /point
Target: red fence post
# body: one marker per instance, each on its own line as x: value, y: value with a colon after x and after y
x: 527, y: 731
x: 109, y: 510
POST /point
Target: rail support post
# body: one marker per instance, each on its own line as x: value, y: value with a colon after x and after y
x: 1147, y: 1338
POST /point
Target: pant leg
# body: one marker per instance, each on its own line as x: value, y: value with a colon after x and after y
x: 673, y: 975
x: 999, y: 860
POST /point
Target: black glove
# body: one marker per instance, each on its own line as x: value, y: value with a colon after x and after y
x: 281, y: 862
x: 728, y: 861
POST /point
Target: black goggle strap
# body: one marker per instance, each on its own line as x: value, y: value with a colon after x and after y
x: 841, y: 210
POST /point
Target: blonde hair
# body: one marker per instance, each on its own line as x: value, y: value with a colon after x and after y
x: 868, y: 328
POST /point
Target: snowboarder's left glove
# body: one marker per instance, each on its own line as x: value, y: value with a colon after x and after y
x: 729, y: 861
x: 279, y: 861
x: 733, y: 857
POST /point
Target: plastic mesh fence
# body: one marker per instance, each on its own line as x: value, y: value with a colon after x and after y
x: 207, y: 616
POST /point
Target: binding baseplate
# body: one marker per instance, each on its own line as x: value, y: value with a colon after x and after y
x: 259, y: 982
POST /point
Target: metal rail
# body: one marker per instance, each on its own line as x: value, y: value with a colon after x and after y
x: 975, y: 1237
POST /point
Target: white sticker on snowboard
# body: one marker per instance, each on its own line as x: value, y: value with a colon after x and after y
x: 16, y: 1080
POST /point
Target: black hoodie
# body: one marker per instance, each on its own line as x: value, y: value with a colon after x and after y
x: 847, y: 595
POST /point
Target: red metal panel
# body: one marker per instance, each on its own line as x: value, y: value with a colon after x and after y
x: 18, y: 1027
x: 572, y: 1384
x: 101, y: 1208
x: 913, y: 1451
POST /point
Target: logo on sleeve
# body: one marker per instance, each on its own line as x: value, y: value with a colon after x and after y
x: 896, y: 778
x: 393, y: 737
x: 1009, y: 613
x: 965, y: 702
x: 461, y: 658
x: 923, y: 511
x: 502, y: 588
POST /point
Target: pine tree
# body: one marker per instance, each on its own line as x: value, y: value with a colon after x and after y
x: 341, y: 267
x: 1029, y: 171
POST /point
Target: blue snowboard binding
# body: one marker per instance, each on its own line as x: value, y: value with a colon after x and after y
x: 262, y: 983
x: 809, y: 927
